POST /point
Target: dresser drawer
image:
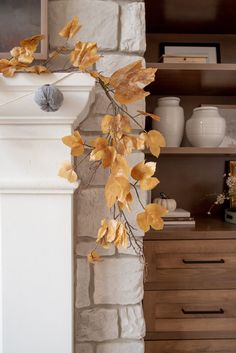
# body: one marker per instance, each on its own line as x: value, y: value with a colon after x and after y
x: 190, y: 314
x: 191, y: 264
x: 191, y: 346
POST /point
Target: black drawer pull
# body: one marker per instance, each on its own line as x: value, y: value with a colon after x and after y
x: 191, y: 312
x: 221, y: 261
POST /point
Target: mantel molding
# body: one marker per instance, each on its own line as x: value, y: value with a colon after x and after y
x: 17, y: 104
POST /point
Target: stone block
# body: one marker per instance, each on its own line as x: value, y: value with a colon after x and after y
x: 91, y: 209
x: 97, y: 324
x: 118, y: 281
x: 84, y: 348
x: 112, y: 62
x: 132, y: 321
x: 99, y: 20
x: 133, y: 31
x: 121, y: 347
x: 82, y: 283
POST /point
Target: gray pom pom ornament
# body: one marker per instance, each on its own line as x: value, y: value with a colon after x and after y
x: 49, y: 98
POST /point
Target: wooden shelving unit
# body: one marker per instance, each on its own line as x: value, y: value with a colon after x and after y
x: 228, y: 151
x: 185, y: 16
x: 191, y: 267
x: 194, y: 79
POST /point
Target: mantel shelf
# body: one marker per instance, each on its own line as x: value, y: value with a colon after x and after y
x: 194, y: 79
x: 197, y: 151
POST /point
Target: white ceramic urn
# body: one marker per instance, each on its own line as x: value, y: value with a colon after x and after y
x: 206, y: 127
x: 172, y: 120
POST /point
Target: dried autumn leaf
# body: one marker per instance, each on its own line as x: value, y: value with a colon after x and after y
x: 154, y: 140
x: 6, y: 68
x: 9, y: 67
x: 126, y: 203
x: 121, y: 239
x: 24, y: 52
x: 120, y: 167
x: 23, y: 55
x: 71, y: 28
x: 116, y: 126
x: 129, y: 82
x: 75, y: 142
x: 36, y: 69
x: 128, y: 143
x: 107, y: 233
x: 66, y: 171
x: 93, y: 257
x: 112, y: 232
x: 32, y: 43
x: 116, y: 189
x: 143, y: 173
x: 84, y: 55
x: 102, y: 152
x: 153, y: 116
x: 151, y: 217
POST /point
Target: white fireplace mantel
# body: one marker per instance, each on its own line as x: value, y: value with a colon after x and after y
x: 36, y: 214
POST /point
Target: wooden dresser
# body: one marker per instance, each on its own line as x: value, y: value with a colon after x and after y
x: 190, y: 289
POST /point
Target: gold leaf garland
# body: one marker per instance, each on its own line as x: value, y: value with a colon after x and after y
x: 116, y: 142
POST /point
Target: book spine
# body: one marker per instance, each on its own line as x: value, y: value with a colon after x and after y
x: 178, y: 219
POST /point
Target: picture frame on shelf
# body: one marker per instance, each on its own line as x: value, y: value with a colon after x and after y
x: 192, y: 50
x: 21, y: 19
x: 227, y: 111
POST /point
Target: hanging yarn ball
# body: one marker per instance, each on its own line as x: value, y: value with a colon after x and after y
x: 49, y: 98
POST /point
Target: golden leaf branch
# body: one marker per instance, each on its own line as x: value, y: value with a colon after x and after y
x: 109, y: 151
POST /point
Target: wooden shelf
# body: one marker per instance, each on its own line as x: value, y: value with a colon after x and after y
x: 194, y: 79
x: 198, y: 151
x: 185, y: 16
x: 206, y: 228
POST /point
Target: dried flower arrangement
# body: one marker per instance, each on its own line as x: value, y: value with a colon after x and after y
x: 110, y: 150
x: 229, y: 194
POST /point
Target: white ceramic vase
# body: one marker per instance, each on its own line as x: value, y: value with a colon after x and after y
x: 206, y: 127
x: 171, y: 124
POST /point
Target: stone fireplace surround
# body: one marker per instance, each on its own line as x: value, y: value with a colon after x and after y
x: 108, y: 296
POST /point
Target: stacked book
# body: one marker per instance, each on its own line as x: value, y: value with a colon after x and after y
x: 179, y: 217
x: 188, y: 59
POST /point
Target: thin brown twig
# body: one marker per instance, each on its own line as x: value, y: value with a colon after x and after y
x: 117, y: 105
x: 138, y: 196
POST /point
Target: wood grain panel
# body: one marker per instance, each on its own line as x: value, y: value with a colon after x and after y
x: 191, y: 346
x: 225, y: 327
x: 215, y: 278
x: 198, y: 304
x: 187, y: 255
x: 220, y: 260
x: 193, y: 246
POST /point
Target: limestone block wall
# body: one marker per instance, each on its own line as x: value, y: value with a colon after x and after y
x: 108, y: 295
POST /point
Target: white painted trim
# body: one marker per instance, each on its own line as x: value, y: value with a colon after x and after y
x: 34, y: 186
x: 76, y: 81
x: 1, y: 279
